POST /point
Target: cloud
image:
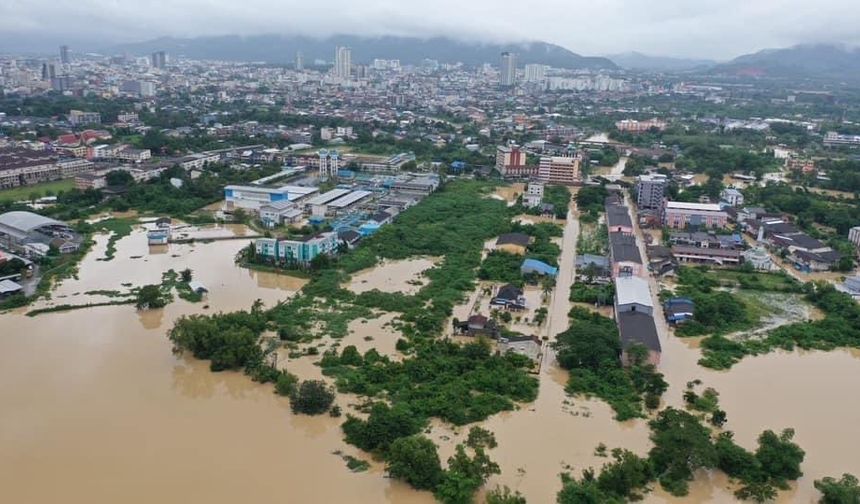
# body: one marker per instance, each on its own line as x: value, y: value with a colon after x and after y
x: 703, y: 28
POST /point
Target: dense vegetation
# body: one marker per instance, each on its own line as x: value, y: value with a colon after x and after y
x: 839, y: 328
x: 682, y: 445
x: 589, y: 201
x: 591, y: 350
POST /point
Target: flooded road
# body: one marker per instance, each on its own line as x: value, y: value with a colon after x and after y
x: 96, y: 408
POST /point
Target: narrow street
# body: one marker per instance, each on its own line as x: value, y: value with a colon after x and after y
x: 559, y: 304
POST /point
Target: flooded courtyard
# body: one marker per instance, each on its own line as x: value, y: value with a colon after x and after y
x: 403, y: 276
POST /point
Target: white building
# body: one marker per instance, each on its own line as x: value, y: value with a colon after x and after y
x: 732, y: 196
x: 508, y: 73
x: 342, y: 62
x: 854, y: 236
x: 535, y: 72
x: 534, y: 194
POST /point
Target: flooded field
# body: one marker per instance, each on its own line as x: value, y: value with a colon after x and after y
x: 97, y: 409
x: 393, y: 276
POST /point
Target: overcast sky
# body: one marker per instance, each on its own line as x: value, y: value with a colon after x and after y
x: 719, y: 29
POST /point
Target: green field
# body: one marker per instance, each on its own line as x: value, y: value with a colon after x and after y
x: 25, y: 192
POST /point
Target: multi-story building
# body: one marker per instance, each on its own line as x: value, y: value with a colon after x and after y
x: 650, y: 191
x: 74, y: 166
x: 328, y: 163
x: 534, y: 194
x: 20, y: 167
x: 511, y: 162
x: 300, y: 61
x: 342, y: 62
x: 634, y: 126
x: 679, y: 215
x: 559, y: 169
x: 508, y: 70
x: 64, y: 55
x: 535, y: 72
x: 299, y: 251
x: 732, y: 196
x: 81, y: 118
x: 158, y: 59
x: 854, y: 236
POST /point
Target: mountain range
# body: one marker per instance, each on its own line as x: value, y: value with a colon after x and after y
x: 409, y: 50
x: 825, y: 61
x: 638, y: 61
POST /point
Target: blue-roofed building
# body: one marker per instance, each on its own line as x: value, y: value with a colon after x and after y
x: 530, y: 266
x: 458, y: 166
x: 369, y: 228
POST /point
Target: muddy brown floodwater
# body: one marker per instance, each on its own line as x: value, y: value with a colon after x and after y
x: 96, y: 408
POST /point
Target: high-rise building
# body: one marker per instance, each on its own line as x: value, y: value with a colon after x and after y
x: 64, y: 54
x: 49, y: 71
x: 535, y: 72
x: 342, y: 62
x: 300, y: 61
x: 158, y: 59
x: 508, y: 73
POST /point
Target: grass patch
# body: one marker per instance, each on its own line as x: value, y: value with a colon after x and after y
x: 26, y: 193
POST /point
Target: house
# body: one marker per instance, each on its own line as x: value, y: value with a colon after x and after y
x: 678, y: 310
x: 9, y: 288
x: 593, y: 269
x: 706, y: 239
x: 533, y: 266
x: 633, y: 294
x: 534, y: 194
x: 851, y: 286
x: 624, y: 255
x: 478, y: 325
x: 529, y: 346
x: 158, y: 236
x: 808, y: 262
x: 509, y: 297
x: 513, y: 243
x: 638, y: 328
x: 732, y: 196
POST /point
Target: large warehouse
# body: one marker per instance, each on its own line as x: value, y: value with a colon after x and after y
x: 252, y: 197
x: 32, y: 234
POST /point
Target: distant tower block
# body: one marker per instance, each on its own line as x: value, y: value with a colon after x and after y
x: 328, y: 164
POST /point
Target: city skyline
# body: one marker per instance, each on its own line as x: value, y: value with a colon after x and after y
x: 717, y: 30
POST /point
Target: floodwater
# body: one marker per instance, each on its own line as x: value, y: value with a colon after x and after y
x: 97, y: 409
x: 393, y: 276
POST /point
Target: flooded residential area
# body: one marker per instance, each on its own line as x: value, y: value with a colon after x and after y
x: 416, y: 253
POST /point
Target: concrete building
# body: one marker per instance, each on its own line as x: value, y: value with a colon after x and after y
x: 74, y: 166
x: 854, y: 236
x: 158, y: 59
x: 33, y: 235
x: 679, y: 215
x: 732, y: 196
x: 280, y: 212
x: 328, y: 164
x: 342, y: 62
x: 535, y: 73
x: 197, y: 161
x: 508, y: 69
x: 511, y: 162
x: 21, y: 167
x: 618, y: 219
x: 634, y: 126
x: 81, y: 118
x: 637, y: 328
x: 632, y: 293
x: 300, y: 61
x: 252, y: 197
x: 299, y: 251
x: 534, y: 194
x: 650, y: 191
x: 624, y: 255
x: 560, y: 169
x: 64, y: 55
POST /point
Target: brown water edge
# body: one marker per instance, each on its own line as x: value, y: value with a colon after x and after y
x: 96, y: 408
